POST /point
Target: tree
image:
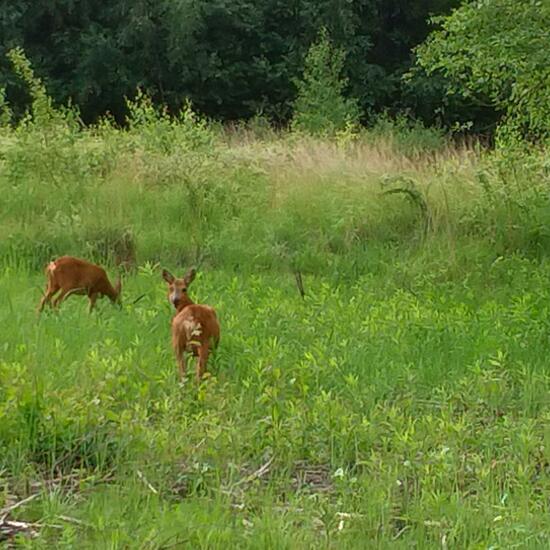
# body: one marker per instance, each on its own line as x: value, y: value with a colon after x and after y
x: 321, y: 106
x: 496, y: 52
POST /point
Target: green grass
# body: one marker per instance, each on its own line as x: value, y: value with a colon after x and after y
x: 404, y: 402
x: 386, y: 418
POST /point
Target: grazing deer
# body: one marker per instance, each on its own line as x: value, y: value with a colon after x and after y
x: 75, y: 276
x: 195, y: 327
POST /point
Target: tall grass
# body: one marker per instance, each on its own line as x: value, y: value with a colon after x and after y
x: 403, y: 402
x: 187, y: 192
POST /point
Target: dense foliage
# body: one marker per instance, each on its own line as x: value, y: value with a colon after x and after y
x: 232, y: 59
x: 496, y: 52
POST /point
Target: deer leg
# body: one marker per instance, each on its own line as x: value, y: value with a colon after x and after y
x: 204, y: 351
x: 93, y: 298
x: 179, y: 351
x: 48, y: 295
x: 180, y: 357
x: 60, y: 298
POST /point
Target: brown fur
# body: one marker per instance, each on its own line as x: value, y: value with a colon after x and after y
x: 74, y: 276
x: 195, y: 327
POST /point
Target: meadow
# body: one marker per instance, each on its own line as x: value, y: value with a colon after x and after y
x: 402, y: 402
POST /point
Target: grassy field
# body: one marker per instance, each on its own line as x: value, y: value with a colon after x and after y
x: 403, y: 403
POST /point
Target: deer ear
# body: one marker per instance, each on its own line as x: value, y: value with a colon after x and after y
x: 189, y: 276
x: 167, y: 276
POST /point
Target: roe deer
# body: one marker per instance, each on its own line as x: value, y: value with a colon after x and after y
x: 195, y: 327
x: 75, y: 276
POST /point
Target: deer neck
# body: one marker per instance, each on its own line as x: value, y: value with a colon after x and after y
x: 183, y: 303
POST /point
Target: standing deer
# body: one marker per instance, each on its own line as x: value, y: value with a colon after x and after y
x: 75, y: 276
x: 195, y: 327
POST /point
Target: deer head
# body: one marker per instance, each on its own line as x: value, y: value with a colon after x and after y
x: 177, y: 288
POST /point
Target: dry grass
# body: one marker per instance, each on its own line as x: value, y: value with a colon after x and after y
x: 361, y: 170
x: 367, y: 155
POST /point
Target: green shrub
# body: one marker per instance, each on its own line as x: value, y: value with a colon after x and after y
x: 321, y: 107
x: 408, y: 137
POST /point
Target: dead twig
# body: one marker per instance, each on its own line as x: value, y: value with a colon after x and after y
x: 10, y: 528
x: 76, y: 521
x: 300, y: 284
x: 144, y: 479
x: 260, y: 472
x: 5, y: 511
x: 72, y: 479
x: 400, y: 532
x: 138, y: 299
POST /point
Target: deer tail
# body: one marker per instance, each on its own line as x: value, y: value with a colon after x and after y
x: 50, y: 268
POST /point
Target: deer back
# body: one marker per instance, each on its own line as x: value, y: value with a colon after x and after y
x: 75, y: 274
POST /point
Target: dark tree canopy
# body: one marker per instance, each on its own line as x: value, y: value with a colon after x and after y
x: 232, y: 58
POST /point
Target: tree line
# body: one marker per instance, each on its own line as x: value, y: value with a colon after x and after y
x: 236, y: 58
x: 232, y: 58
